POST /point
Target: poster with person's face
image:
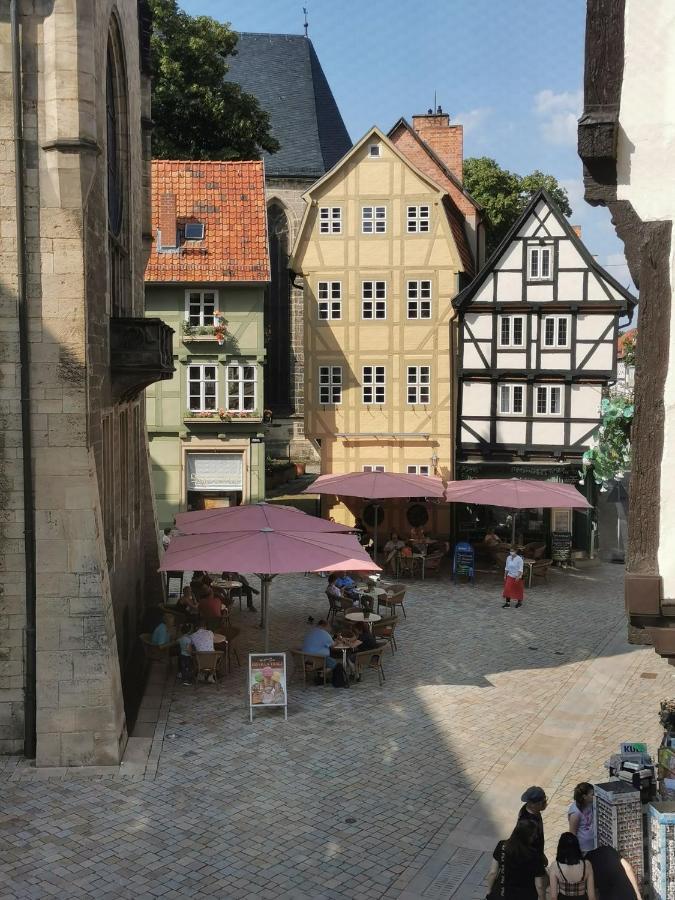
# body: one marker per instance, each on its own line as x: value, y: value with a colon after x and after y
x: 267, y: 679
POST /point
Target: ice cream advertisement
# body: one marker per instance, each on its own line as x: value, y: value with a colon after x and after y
x: 266, y: 680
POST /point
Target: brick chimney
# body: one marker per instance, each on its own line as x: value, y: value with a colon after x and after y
x: 446, y: 140
x: 168, y: 232
x: 577, y: 230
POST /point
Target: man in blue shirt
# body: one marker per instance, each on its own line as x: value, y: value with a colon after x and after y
x: 348, y: 586
x: 318, y: 641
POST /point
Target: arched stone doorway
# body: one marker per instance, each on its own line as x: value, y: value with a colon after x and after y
x: 278, y: 316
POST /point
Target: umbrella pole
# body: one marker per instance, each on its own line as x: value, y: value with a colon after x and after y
x: 513, y: 528
x: 266, y: 588
x: 376, y: 507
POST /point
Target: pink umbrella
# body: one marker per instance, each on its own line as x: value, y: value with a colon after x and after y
x: 377, y: 486
x: 516, y: 493
x: 309, y: 544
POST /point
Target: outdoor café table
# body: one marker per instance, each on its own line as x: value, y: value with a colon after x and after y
x: 344, y: 645
x: 359, y: 617
x: 228, y: 587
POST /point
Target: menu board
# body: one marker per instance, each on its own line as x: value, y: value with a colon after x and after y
x: 267, y: 682
x: 561, y: 546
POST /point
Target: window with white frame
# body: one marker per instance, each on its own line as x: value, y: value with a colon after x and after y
x: 511, y: 399
x: 419, y: 299
x: 241, y: 388
x: 373, y: 219
x: 200, y: 306
x: 418, y: 470
x: 330, y: 385
x: 556, y: 331
x: 330, y: 219
x: 330, y: 299
x: 202, y: 388
x: 540, y: 263
x: 548, y: 400
x: 373, y: 384
x: 419, y: 384
x: 374, y: 151
x: 511, y: 331
x: 418, y: 219
x: 373, y: 299
x: 373, y: 468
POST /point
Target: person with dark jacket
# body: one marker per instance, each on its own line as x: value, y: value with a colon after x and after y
x: 535, y: 802
x: 518, y: 871
x: 246, y: 588
x: 614, y: 876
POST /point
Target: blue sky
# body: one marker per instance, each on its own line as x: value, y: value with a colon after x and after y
x: 510, y: 70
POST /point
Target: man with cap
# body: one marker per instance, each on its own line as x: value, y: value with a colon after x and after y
x: 535, y: 802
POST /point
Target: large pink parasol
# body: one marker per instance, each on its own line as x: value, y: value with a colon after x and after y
x: 516, y: 493
x: 263, y: 540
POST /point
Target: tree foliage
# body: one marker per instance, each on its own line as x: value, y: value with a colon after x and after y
x: 611, y: 455
x: 504, y: 195
x: 197, y: 114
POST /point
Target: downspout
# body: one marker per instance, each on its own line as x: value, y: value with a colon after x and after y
x: 30, y: 701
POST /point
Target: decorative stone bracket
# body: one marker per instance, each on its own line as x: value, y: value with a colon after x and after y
x: 141, y: 353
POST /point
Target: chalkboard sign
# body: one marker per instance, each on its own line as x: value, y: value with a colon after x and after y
x: 561, y: 546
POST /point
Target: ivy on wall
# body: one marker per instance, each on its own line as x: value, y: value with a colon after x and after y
x: 611, y: 455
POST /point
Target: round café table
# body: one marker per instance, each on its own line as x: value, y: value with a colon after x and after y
x: 359, y: 617
x: 344, y: 646
x: 228, y: 587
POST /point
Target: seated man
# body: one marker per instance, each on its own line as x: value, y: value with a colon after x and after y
x: 318, y: 642
x: 348, y: 586
x: 202, y: 639
x: 210, y: 606
x: 162, y: 634
x: 246, y: 588
x: 366, y: 636
x: 491, y: 539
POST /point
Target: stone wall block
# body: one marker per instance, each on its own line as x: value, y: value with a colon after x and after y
x: 54, y: 665
x: 82, y: 693
x: 61, y: 585
x: 52, y: 556
x: 48, y: 750
x: 67, y: 429
x: 83, y: 556
x: 89, y: 664
x: 95, y: 634
x: 48, y: 696
x: 56, y: 720
x: 71, y: 634
x: 77, y: 749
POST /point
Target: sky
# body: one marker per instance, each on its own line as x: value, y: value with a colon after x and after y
x: 511, y: 71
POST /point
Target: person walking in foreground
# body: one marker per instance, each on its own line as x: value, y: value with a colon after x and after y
x: 570, y: 874
x: 535, y: 802
x: 614, y: 876
x: 518, y: 870
x: 514, y: 586
x: 580, y: 816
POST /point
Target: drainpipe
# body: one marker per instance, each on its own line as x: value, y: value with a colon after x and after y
x: 30, y: 702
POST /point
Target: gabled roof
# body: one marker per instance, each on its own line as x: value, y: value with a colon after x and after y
x: 228, y: 198
x: 403, y: 123
x: 464, y: 298
x: 284, y: 73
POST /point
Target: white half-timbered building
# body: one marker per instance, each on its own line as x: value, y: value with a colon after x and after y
x: 537, y: 332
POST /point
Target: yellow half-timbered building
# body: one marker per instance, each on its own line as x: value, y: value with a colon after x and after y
x: 380, y: 252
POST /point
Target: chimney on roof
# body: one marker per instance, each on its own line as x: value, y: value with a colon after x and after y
x: 446, y: 140
x: 168, y: 232
x: 577, y: 230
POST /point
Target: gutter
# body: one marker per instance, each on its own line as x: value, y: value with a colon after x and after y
x: 30, y: 699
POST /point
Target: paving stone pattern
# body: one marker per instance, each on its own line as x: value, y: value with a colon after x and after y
x: 392, y: 792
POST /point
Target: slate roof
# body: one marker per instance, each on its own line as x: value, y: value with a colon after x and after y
x: 229, y: 199
x: 284, y: 73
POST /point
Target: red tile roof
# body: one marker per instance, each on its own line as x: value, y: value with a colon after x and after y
x: 228, y: 198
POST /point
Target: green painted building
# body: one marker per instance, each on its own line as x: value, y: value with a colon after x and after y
x: 206, y: 278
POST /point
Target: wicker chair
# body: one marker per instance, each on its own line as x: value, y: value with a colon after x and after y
x: 334, y: 607
x: 209, y: 663
x: 433, y: 563
x: 155, y: 652
x: 309, y: 662
x: 369, y: 659
x: 393, y: 599
x: 231, y: 633
x: 384, y: 630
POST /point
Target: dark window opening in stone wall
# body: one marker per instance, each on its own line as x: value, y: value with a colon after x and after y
x: 277, y: 316
x: 117, y: 154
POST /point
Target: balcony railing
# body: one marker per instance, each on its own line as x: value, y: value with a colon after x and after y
x: 141, y: 353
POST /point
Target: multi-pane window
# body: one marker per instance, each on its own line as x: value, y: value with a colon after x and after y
x: 556, y: 331
x: 373, y: 468
x: 330, y: 299
x: 373, y: 219
x: 419, y: 384
x: 539, y: 263
x: 418, y: 219
x: 374, y: 299
x: 330, y: 384
x: 373, y: 384
x: 202, y: 388
x: 200, y: 307
x: 374, y: 151
x: 330, y: 220
x: 241, y: 388
x: 419, y: 299
x: 548, y: 400
x: 511, y: 331
x: 417, y: 470
x: 511, y: 399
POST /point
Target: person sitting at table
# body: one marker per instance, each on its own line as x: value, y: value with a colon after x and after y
x: 210, y: 606
x: 202, y: 639
x: 491, y: 539
x: 163, y: 633
x: 186, y: 603
x: 391, y: 551
x: 348, y: 586
x: 318, y: 641
x: 333, y: 592
x: 185, y: 653
x: 246, y: 587
x: 366, y: 636
x: 419, y: 540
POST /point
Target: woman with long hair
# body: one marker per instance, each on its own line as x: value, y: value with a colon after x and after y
x: 518, y: 869
x: 570, y: 874
x: 580, y: 816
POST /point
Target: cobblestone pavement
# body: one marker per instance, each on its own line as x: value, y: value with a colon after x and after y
x: 392, y: 792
